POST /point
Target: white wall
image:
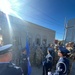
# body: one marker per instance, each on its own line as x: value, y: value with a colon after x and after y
x: 21, y: 28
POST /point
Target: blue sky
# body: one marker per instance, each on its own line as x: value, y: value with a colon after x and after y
x: 47, y: 13
x: 50, y: 13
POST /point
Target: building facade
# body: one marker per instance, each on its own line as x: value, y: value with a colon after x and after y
x: 70, y: 31
x: 16, y: 31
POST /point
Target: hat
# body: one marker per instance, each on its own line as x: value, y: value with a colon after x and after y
x: 23, y: 49
x: 63, y: 50
x: 49, y: 49
x: 4, y: 49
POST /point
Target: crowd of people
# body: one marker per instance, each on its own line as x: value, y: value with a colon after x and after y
x: 55, y: 59
x: 51, y: 56
x: 63, y: 57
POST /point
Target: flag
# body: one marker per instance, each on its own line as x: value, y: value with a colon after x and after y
x: 28, y: 54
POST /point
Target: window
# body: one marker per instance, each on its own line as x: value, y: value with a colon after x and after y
x: 38, y: 41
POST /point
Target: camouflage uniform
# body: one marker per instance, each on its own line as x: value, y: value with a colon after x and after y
x: 56, y: 57
x: 39, y: 56
x: 32, y: 56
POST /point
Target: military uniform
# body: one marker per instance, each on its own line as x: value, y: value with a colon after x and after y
x: 56, y: 58
x: 39, y: 57
x: 62, y: 66
x: 7, y: 68
x: 24, y: 64
x: 51, y: 51
x: 10, y: 69
x: 47, y: 64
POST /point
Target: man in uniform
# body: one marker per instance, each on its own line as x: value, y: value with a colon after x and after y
x: 24, y: 61
x: 39, y: 57
x: 62, y: 66
x: 6, y: 67
x: 47, y: 63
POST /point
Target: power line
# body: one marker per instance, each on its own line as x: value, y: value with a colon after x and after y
x: 41, y: 18
x: 43, y: 22
x: 44, y: 13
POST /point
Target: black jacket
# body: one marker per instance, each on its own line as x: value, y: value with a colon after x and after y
x: 9, y: 69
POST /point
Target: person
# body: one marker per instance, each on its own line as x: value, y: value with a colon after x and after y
x: 24, y: 61
x: 6, y: 67
x: 39, y: 57
x: 62, y: 67
x: 51, y: 47
x: 73, y: 68
x: 56, y: 56
x: 47, y: 63
x: 52, y: 52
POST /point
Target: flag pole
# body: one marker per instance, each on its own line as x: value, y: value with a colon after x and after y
x: 28, y: 54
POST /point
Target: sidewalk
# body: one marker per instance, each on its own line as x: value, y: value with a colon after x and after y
x: 36, y: 71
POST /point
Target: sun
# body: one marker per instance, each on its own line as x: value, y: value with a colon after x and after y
x: 5, y: 6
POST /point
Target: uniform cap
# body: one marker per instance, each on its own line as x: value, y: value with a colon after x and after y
x: 63, y: 50
x: 49, y: 49
x: 23, y: 49
x: 4, y: 49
